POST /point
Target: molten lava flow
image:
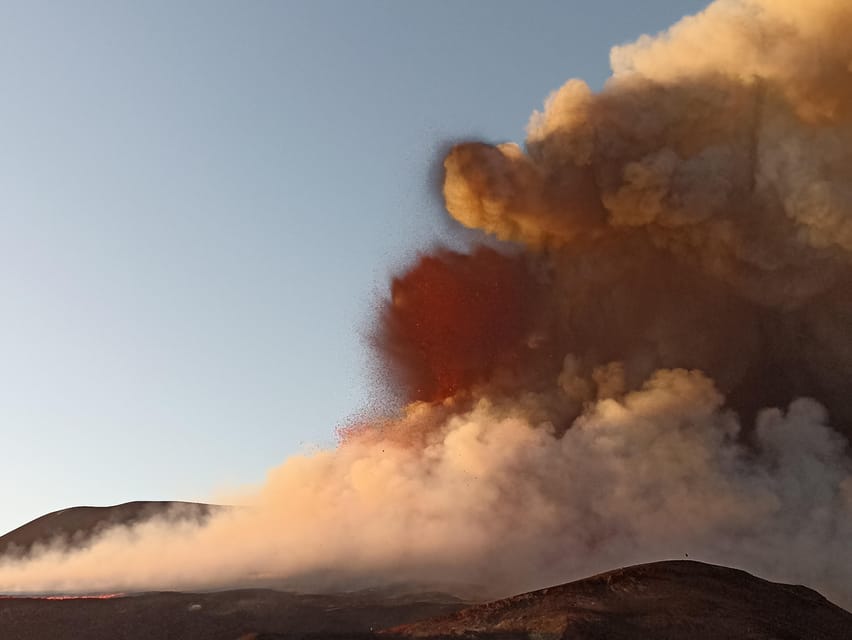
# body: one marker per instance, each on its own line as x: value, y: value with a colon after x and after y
x: 453, y: 320
x: 100, y: 596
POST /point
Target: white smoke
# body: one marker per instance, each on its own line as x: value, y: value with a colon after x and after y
x: 490, y: 497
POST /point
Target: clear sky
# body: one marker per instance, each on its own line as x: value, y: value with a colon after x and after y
x: 200, y: 200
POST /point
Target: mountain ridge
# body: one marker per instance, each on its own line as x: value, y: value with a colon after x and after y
x: 667, y: 599
x: 75, y: 527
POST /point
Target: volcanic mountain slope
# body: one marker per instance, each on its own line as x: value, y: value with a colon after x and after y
x: 663, y: 600
x: 76, y: 526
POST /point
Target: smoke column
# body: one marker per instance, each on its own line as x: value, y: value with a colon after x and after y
x: 656, y: 363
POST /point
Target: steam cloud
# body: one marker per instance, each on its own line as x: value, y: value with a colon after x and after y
x: 601, y: 392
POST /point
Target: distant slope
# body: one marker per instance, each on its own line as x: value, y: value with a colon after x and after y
x: 676, y: 599
x: 74, y: 527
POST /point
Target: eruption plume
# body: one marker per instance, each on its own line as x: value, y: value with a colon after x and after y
x: 656, y: 363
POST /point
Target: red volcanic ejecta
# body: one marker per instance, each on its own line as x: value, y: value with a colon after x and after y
x: 453, y: 320
x: 99, y: 596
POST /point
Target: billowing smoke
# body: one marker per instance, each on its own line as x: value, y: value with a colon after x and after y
x: 656, y: 364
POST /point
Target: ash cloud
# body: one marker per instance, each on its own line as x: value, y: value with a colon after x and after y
x: 710, y: 175
x: 657, y: 364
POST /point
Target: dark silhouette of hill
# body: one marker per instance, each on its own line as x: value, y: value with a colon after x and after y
x: 662, y: 600
x: 76, y: 526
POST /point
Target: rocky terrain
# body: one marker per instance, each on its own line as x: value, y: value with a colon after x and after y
x: 225, y: 615
x: 674, y: 599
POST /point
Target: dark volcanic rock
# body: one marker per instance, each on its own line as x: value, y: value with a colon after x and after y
x: 76, y: 526
x: 664, y: 600
x: 224, y: 615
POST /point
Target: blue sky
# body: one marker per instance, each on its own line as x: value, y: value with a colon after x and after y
x: 200, y: 202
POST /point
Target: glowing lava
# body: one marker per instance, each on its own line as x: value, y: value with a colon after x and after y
x: 99, y: 596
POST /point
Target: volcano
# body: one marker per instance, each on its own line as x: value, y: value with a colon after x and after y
x: 643, y: 350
